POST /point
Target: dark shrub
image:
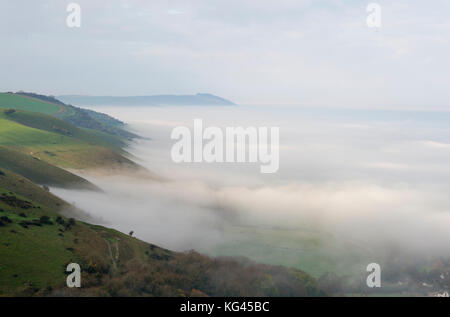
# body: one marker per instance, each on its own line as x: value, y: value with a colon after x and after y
x: 45, y: 220
x: 60, y: 220
x: 25, y: 223
x: 9, y: 111
x: 5, y: 219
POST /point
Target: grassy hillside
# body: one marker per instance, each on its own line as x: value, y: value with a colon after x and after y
x: 39, y: 171
x: 57, y: 142
x: 8, y: 100
x: 54, y: 125
x: 36, y: 244
x: 80, y: 117
x: 13, y: 182
x: 24, y: 252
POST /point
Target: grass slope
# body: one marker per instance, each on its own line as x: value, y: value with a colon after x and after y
x: 39, y: 171
x: 34, y: 252
x: 57, y: 142
x: 9, y: 100
x: 54, y: 125
x: 30, y: 257
x: 24, y: 187
x: 82, y: 118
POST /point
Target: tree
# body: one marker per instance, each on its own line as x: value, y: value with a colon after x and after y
x: 45, y: 220
x: 9, y: 111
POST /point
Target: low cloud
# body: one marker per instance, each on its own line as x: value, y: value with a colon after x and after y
x: 366, y: 188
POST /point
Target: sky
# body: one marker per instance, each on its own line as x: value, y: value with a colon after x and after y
x: 288, y: 52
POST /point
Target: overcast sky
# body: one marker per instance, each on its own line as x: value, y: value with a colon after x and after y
x: 302, y: 52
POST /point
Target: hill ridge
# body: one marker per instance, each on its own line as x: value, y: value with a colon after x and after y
x: 199, y: 99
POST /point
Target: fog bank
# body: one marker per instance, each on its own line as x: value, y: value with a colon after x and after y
x: 379, y: 182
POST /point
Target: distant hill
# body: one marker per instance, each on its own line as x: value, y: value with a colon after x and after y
x: 157, y: 100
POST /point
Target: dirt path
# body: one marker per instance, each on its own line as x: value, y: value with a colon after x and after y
x: 117, y: 251
x: 61, y: 109
x: 111, y: 254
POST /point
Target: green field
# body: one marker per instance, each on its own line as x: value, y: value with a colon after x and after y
x: 39, y: 171
x: 29, y: 104
x: 311, y: 251
x: 19, y: 245
x: 57, y: 142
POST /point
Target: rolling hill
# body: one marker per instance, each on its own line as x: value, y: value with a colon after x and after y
x: 82, y: 118
x: 40, y: 172
x: 39, y: 137
x: 57, y: 142
x: 37, y: 243
x: 10, y: 100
